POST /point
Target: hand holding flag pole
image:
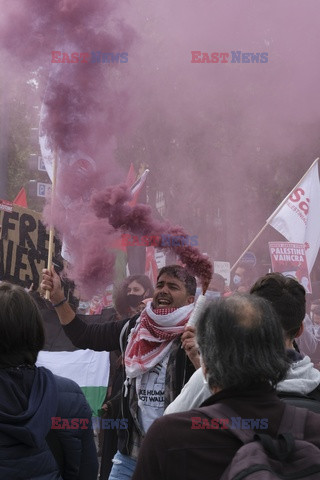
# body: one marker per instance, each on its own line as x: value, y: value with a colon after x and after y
x: 51, y: 230
x: 268, y: 221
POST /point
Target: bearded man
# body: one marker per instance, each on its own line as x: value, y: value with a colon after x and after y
x: 156, y: 367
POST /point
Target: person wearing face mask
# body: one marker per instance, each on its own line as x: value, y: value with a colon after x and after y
x: 142, y: 305
x: 155, y: 365
x: 130, y: 293
x: 217, y: 287
x: 127, y: 299
x: 243, y: 278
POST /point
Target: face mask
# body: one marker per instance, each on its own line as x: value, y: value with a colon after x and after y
x: 237, y: 279
x: 211, y: 295
x: 83, y: 305
x: 134, y: 300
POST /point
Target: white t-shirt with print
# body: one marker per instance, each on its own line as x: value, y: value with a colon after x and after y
x: 150, y: 389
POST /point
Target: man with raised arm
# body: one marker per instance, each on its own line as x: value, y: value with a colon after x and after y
x: 156, y: 367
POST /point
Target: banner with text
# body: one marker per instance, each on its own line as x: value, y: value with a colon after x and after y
x: 23, y: 246
x: 290, y: 259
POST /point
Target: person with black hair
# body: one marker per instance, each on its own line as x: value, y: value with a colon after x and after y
x: 287, y: 297
x: 156, y: 367
x: 243, y: 278
x: 128, y: 296
x: 33, y: 403
x: 130, y: 293
x: 243, y: 358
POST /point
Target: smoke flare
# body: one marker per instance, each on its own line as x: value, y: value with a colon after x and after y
x: 112, y: 205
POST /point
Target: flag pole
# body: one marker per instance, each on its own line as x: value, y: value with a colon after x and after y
x: 249, y: 246
x: 51, y: 230
x: 273, y: 214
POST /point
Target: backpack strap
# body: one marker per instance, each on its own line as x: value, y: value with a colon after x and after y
x: 291, y: 428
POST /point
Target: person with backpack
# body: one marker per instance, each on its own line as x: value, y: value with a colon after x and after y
x: 156, y: 367
x: 243, y: 358
x: 301, y: 386
x: 288, y: 298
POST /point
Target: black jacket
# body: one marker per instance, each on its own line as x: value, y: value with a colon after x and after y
x: 107, y: 337
x: 29, y: 398
x: 173, y: 450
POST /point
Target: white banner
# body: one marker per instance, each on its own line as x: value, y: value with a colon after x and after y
x: 298, y: 219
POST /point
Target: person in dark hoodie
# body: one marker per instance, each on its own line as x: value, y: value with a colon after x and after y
x: 45, y: 421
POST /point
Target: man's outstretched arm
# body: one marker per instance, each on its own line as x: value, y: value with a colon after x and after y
x: 98, y: 337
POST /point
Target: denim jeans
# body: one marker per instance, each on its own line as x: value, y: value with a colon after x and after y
x: 123, y: 467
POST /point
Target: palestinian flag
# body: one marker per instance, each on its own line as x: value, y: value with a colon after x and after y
x: 89, y: 369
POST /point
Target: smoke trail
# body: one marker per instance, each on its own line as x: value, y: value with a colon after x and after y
x: 224, y: 142
x: 111, y: 204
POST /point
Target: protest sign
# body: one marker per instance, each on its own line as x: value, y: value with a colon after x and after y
x: 290, y: 259
x: 223, y: 269
x: 23, y: 246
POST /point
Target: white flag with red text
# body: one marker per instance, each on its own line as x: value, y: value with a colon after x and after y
x: 298, y: 220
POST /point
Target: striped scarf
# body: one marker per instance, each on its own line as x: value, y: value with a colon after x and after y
x: 151, y: 339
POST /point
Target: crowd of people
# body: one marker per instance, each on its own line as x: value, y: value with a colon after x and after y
x: 176, y: 388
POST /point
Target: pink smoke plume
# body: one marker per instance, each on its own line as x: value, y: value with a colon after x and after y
x: 84, y: 107
x: 225, y: 142
x: 112, y: 205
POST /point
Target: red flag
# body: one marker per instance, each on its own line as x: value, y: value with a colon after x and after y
x: 21, y: 198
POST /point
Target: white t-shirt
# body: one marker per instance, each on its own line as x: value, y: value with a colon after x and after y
x: 192, y: 395
x: 150, y: 390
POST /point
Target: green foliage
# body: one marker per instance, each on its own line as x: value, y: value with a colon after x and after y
x: 18, y: 146
x: 22, y: 117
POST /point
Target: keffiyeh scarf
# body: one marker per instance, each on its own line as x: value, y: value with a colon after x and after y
x: 150, y: 340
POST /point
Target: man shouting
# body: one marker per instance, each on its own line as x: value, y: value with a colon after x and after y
x: 156, y: 367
